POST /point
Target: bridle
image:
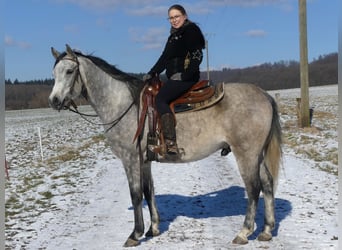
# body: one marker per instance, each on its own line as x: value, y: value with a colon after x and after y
x: 83, y: 115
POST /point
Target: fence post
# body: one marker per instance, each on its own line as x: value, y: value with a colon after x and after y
x: 40, y: 144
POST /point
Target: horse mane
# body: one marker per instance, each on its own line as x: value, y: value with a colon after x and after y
x: 134, y: 84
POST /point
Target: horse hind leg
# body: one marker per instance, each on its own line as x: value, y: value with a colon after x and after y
x: 251, y: 179
x: 268, y: 192
x: 248, y: 225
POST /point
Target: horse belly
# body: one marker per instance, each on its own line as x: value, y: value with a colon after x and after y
x: 198, y: 136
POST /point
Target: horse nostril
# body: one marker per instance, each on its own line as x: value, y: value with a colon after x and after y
x: 54, y: 102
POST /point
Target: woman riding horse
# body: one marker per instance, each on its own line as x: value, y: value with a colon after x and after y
x: 181, y: 58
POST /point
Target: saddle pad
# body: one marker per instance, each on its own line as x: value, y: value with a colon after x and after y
x: 199, y: 99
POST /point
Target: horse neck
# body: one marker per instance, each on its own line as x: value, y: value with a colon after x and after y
x: 108, y: 96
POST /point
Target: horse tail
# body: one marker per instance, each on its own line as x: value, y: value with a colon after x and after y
x: 273, y: 146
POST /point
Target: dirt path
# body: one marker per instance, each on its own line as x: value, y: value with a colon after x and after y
x: 201, y: 206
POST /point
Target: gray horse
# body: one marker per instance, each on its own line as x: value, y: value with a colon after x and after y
x: 246, y: 119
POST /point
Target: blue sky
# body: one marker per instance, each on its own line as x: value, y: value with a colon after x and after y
x: 131, y: 33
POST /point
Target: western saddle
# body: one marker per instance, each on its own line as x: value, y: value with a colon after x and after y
x: 200, y: 96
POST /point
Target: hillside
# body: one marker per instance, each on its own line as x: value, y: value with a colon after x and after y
x: 269, y: 76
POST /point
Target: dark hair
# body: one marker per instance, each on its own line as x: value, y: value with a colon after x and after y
x: 178, y: 7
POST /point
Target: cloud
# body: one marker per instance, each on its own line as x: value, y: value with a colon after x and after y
x: 256, y: 33
x: 103, y: 24
x: 159, y: 7
x: 9, y: 41
x: 153, y: 38
x: 91, y: 4
x: 148, y: 11
x: 249, y: 3
x: 106, y: 5
x: 72, y: 28
x: 138, y: 7
x: 285, y: 5
x: 161, y: 10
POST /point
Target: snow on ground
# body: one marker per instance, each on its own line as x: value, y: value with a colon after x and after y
x: 74, y: 194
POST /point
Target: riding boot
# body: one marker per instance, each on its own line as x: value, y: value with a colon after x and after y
x: 169, y: 132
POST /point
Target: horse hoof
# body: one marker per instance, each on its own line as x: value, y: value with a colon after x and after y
x: 131, y: 243
x: 240, y: 241
x: 152, y: 233
x: 264, y: 236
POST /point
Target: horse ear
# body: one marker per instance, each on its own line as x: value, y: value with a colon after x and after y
x: 69, y: 51
x: 55, y: 53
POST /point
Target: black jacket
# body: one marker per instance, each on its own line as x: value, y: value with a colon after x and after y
x: 182, y: 53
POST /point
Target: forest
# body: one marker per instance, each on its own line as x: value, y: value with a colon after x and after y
x: 269, y: 76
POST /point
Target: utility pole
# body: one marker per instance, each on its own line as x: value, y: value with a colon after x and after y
x: 304, y: 73
x: 207, y: 52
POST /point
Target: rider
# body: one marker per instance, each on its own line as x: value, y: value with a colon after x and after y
x: 181, y: 58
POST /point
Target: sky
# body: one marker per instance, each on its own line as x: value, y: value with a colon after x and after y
x: 131, y: 34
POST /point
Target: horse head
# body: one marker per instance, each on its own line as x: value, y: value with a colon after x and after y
x: 68, y: 81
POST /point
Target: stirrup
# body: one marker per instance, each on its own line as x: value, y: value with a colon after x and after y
x: 152, y: 142
x: 171, y: 147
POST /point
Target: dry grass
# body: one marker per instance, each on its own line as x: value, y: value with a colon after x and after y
x: 308, y: 141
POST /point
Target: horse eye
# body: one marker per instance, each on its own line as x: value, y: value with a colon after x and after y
x: 70, y: 71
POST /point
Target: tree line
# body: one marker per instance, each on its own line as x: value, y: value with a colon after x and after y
x: 269, y: 76
x: 282, y: 74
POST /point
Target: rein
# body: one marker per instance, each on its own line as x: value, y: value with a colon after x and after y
x: 112, y: 123
x: 83, y: 115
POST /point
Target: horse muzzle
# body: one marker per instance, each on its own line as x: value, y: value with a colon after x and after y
x: 59, y: 104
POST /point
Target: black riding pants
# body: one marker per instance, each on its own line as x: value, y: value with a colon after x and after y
x: 169, y: 92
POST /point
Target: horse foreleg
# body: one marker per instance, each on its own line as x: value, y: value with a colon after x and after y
x: 151, y: 201
x: 133, y: 239
x: 267, y: 189
x: 135, y: 186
